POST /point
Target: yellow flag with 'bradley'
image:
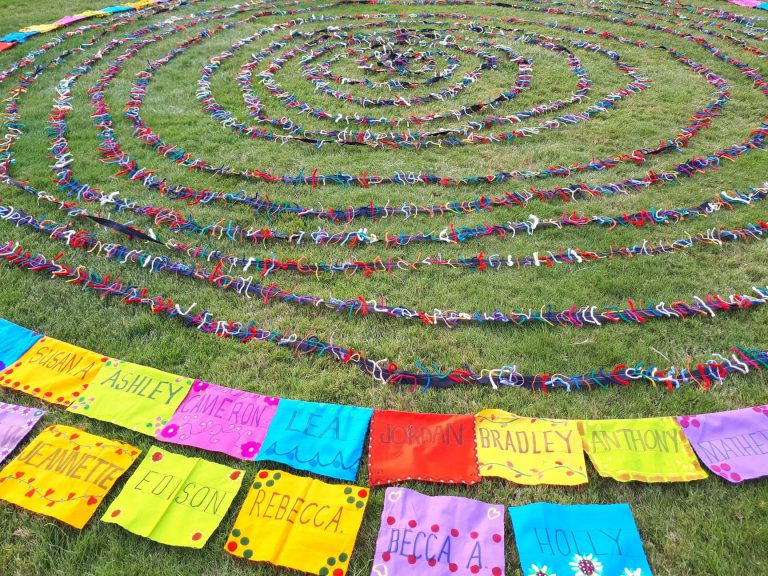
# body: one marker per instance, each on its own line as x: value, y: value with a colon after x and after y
x: 65, y: 473
x: 53, y: 371
x: 529, y: 450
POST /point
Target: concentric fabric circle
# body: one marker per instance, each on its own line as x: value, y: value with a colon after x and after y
x: 209, y: 138
x: 554, y: 208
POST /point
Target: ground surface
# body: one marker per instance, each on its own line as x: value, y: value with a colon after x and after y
x: 706, y: 527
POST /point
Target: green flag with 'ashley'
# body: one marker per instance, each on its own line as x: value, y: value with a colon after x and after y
x: 175, y: 500
x: 133, y: 396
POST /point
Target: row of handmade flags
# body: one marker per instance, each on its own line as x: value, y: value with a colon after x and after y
x: 328, y: 439
x: 304, y: 523
x: 13, y: 38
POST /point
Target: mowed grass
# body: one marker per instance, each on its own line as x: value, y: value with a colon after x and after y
x: 700, y: 528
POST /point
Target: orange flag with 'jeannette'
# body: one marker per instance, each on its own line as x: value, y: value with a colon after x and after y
x: 65, y: 473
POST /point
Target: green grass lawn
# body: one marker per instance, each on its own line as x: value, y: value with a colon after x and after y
x: 699, y: 528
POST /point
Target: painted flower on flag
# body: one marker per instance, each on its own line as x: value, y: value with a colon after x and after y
x: 543, y: 571
x: 635, y: 572
x: 586, y: 565
x: 686, y: 421
x: 250, y: 449
x: 170, y: 431
x: 199, y: 386
x: 724, y: 469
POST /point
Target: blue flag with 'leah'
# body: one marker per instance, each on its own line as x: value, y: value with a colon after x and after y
x: 323, y: 438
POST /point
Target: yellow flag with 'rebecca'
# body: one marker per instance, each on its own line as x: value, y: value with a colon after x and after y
x: 299, y: 523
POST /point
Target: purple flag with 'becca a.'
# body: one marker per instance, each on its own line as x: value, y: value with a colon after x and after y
x: 438, y: 535
x: 732, y: 444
